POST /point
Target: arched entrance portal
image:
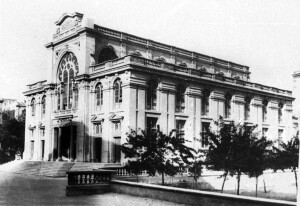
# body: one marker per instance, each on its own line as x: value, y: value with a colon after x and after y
x: 65, y: 143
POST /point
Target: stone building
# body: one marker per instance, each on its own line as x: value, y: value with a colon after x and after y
x: 101, y: 82
x: 14, y: 107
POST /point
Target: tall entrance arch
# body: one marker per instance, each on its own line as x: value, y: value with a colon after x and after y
x: 65, y: 142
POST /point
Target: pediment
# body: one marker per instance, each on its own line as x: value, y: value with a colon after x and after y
x: 31, y: 126
x: 115, y: 117
x: 97, y: 118
x: 65, y: 16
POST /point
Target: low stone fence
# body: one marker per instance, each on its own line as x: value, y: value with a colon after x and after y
x: 100, y: 181
x: 191, y: 197
x: 89, y: 182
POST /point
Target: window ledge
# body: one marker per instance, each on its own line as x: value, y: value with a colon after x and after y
x: 153, y: 112
x: 208, y: 118
x: 183, y: 115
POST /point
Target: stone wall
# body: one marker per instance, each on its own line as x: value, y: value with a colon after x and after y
x: 191, y: 197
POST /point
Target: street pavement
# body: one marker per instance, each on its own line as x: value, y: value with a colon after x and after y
x: 16, y: 189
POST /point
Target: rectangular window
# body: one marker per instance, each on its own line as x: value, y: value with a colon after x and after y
x: 151, y: 124
x: 117, y: 127
x: 43, y: 107
x: 205, y: 106
x: 98, y: 128
x: 117, y: 149
x: 264, y: 114
x: 31, y: 149
x: 227, y: 108
x: 279, y: 115
x: 204, y: 138
x: 280, y: 132
x: 265, y: 132
x: 180, y: 128
x: 42, y: 149
x: 247, y: 111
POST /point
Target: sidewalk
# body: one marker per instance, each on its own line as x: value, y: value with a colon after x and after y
x: 16, y: 189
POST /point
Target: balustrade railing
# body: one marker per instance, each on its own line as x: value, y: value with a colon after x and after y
x: 122, y: 171
x: 176, y: 68
x: 89, y: 177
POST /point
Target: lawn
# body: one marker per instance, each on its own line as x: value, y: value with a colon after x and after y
x: 279, y: 185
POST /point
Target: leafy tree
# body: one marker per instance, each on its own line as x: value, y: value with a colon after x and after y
x: 12, y: 135
x: 258, y: 159
x: 196, y: 165
x: 156, y: 152
x: 286, y: 156
x: 217, y: 157
x: 230, y: 149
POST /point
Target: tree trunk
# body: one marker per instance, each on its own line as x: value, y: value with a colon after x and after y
x: 137, y: 178
x: 296, y: 180
x: 256, y: 186
x: 238, y: 183
x: 162, y: 178
x: 222, y: 189
x: 265, y: 189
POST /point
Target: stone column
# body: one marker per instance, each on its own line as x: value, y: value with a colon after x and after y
x: 71, y: 144
x: 59, y: 158
x: 107, y: 107
x: 54, y: 144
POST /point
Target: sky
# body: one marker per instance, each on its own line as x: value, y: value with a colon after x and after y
x: 261, y: 34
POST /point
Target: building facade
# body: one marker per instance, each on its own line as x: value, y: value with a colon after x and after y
x: 103, y: 82
x: 14, y: 107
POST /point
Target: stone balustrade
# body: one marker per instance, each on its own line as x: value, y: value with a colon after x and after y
x: 89, y: 177
x: 141, y: 61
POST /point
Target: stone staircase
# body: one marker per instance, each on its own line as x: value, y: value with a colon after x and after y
x: 50, y: 169
x: 38, y: 168
x: 83, y: 166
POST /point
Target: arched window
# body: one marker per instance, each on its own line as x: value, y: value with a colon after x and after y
x: 180, y: 99
x: 205, y: 103
x: 227, y: 106
x: 75, y: 89
x: 106, y: 54
x: 118, y: 92
x: 32, y: 107
x: 99, y: 95
x: 151, y: 95
x: 264, y: 111
x: 280, y: 106
x: 70, y: 87
x: 58, y: 98
x: 43, y: 106
x: 247, y: 108
x: 67, y: 70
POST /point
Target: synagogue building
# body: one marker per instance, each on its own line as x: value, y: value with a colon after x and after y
x: 102, y: 82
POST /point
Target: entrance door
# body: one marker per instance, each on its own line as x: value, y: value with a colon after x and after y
x: 42, y: 149
x: 65, y: 143
x: 117, y: 149
x: 98, y: 149
x: 31, y: 149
